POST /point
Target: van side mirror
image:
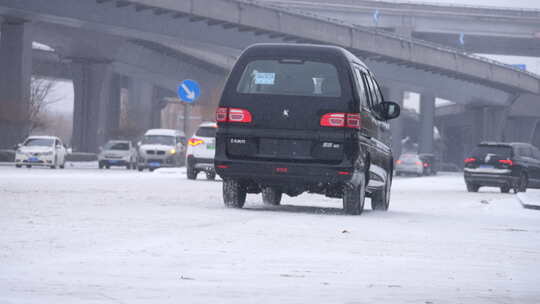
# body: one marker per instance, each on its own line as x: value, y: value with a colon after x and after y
x: 17, y: 146
x: 388, y: 110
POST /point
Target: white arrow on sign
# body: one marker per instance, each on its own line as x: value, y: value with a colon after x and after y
x: 190, y: 93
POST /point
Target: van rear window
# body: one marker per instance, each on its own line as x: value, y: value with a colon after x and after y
x: 500, y: 151
x: 290, y: 77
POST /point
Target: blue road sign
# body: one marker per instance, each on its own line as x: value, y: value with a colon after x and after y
x: 189, y: 91
x: 520, y: 66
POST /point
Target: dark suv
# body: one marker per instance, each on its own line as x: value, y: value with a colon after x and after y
x: 505, y: 165
x: 295, y: 118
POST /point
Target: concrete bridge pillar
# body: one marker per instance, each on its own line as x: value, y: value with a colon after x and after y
x: 92, y: 83
x: 427, y: 117
x: 396, y: 125
x: 15, y: 78
x: 488, y: 123
x: 113, y: 113
x: 141, y: 98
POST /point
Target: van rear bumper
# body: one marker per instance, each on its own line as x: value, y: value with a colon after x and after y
x: 491, y: 179
x: 284, y: 173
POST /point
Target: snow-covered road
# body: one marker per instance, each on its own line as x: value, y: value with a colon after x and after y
x: 118, y: 236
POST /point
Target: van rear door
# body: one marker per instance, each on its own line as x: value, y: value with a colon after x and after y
x: 297, y: 108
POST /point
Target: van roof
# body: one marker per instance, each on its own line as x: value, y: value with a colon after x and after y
x: 164, y: 132
x: 296, y: 48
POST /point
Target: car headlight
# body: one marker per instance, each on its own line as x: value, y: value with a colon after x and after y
x: 172, y: 151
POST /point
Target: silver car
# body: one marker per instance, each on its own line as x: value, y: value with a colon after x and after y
x: 409, y: 164
x: 117, y: 153
x: 161, y: 148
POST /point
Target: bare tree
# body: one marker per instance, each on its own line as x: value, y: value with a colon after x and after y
x: 40, y: 99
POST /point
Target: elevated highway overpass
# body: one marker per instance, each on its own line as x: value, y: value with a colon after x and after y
x: 488, y: 30
x: 159, y: 42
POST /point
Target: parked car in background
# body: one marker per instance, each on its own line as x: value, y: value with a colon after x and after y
x: 41, y: 151
x: 409, y: 163
x: 201, y: 150
x: 118, y: 153
x: 304, y: 118
x: 161, y: 148
x: 505, y: 165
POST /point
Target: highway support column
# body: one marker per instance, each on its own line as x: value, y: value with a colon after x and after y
x: 15, y: 81
x: 93, y: 94
x: 395, y: 94
x: 427, y: 117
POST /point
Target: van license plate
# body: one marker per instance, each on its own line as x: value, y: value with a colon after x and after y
x: 33, y: 159
x: 154, y: 164
x: 486, y: 166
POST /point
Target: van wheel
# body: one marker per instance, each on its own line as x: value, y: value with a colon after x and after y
x: 472, y: 187
x: 505, y: 189
x: 210, y: 175
x: 522, y: 184
x: 18, y: 166
x: 353, y: 198
x: 140, y: 169
x: 380, y: 200
x: 191, y: 172
x: 271, y: 196
x: 234, y: 194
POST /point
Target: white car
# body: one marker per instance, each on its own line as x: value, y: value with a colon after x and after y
x: 41, y: 151
x: 409, y: 164
x: 201, y: 151
x: 161, y: 148
x: 118, y: 153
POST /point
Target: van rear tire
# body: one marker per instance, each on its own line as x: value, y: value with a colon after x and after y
x: 271, y: 196
x: 234, y: 194
x: 380, y: 200
x: 354, y: 198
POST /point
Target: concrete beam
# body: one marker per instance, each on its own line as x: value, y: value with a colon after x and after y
x: 15, y: 77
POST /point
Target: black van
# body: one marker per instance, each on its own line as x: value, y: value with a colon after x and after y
x: 295, y: 118
x: 505, y: 165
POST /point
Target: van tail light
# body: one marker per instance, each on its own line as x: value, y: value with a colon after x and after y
x: 506, y: 162
x: 398, y: 161
x: 333, y: 120
x: 224, y: 114
x: 348, y: 120
x: 419, y: 163
x: 239, y: 115
x: 221, y: 114
x: 470, y: 160
x: 426, y: 165
x: 195, y: 141
x: 353, y: 121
